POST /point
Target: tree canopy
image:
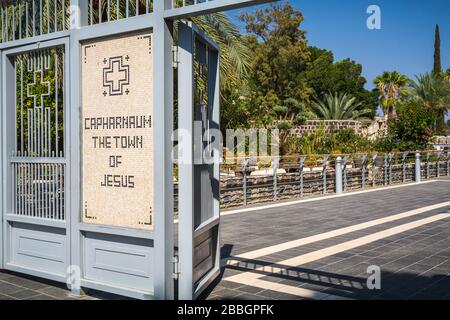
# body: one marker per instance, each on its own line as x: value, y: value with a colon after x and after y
x: 285, y: 67
x: 279, y: 56
x: 324, y: 75
x: 339, y: 106
x: 391, y: 86
x: 432, y: 91
x: 437, y: 67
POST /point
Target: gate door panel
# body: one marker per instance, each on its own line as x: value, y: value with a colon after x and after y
x: 198, y: 160
x: 35, y: 173
x: 115, y: 223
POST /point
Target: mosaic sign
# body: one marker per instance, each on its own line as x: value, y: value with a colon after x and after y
x: 117, y: 132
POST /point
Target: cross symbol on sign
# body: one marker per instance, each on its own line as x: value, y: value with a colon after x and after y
x: 115, y: 76
x: 38, y: 88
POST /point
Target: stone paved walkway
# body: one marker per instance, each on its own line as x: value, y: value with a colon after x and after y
x: 412, y: 250
x: 14, y: 286
x: 320, y: 249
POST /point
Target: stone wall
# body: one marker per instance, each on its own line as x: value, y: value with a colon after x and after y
x: 376, y: 129
x: 311, y: 125
x: 441, y: 140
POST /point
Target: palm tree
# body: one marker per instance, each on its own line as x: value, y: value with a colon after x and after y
x: 391, y: 86
x: 339, y: 106
x: 447, y: 75
x: 433, y: 91
x: 234, y: 53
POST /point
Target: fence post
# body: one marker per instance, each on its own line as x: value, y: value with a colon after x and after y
x: 363, y: 171
x: 390, y: 157
x: 374, y: 174
x: 448, y: 164
x: 418, y: 167
x: 428, y: 165
x: 302, y: 165
x: 344, y: 172
x: 385, y: 168
x: 324, y: 173
x: 405, y: 154
x: 275, y: 186
x: 338, y: 175
x: 245, y: 164
x: 438, y: 164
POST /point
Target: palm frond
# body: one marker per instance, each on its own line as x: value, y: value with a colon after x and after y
x: 339, y: 106
x: 235, y: 54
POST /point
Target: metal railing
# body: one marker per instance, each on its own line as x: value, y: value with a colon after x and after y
x: 38, y: 188
x: 249, y: 181
x: 28, y: 18
x: 38, y: 164
x: 100, y: 11
x: 185, y: 3
x: 22, y: 19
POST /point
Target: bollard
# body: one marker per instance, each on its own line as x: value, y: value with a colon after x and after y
x: 417, y: 167
x: 338, y: 175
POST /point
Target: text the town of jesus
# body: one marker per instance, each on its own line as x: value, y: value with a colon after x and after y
x: 117, y: 142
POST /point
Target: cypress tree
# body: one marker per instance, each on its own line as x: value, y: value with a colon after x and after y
x: 437, y: 52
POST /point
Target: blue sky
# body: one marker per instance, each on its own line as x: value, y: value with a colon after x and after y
x: 405, y: 42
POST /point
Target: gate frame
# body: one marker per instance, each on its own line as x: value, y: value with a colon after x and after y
x: 162, y: 234
x: 188, y: 34
x: 1, y: 163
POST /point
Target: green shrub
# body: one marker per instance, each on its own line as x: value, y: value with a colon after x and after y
x: 410, y: 129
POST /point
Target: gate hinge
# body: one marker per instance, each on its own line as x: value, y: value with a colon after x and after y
x: 176, y: 267
x: 175, y: 56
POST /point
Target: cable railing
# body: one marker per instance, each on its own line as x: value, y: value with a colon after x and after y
x: 248, y: 181
x: 435, y: 165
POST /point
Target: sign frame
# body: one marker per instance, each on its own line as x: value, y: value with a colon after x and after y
x: 131, y: 204
x: 161, y: 236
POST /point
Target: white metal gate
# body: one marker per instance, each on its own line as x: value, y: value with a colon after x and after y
x: 42, y: 232
x: 198, y: 160
x: 35, y: 230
